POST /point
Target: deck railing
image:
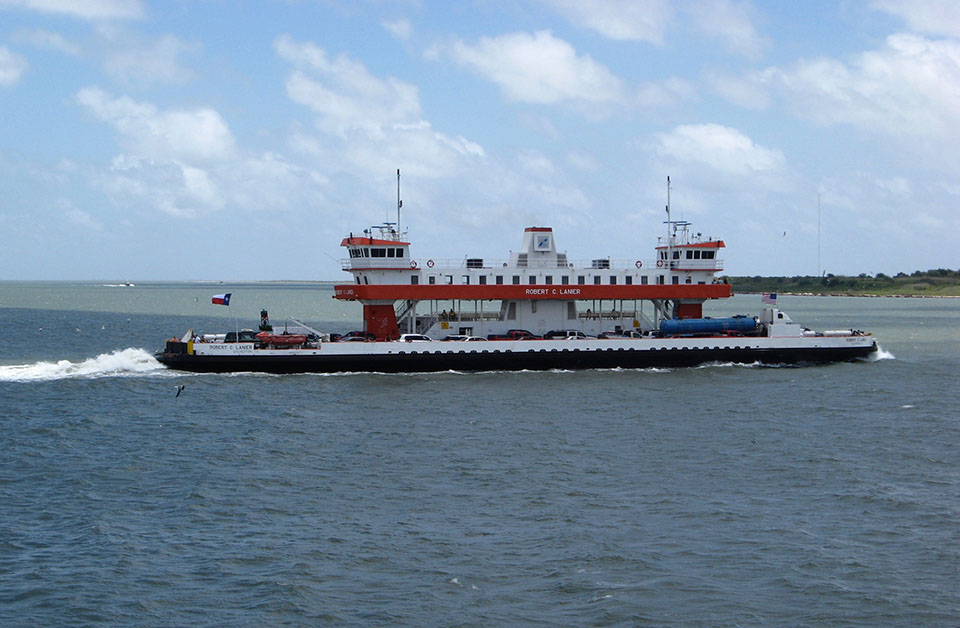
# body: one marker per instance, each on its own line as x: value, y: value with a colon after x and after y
x: 493, y: 266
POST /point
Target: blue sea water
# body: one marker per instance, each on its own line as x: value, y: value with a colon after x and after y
x: 726, y: 495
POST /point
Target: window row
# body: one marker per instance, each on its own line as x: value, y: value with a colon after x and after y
x: 376, y: 252
x: 448, y: 280
x: 690, y: 254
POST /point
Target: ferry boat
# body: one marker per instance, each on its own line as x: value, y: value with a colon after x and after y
x: 536, y: 309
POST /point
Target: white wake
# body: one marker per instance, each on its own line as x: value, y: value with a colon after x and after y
x: 121, y: 363
x: 881, y: 354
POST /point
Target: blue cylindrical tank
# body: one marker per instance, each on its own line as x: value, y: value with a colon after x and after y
x: 675, y: 326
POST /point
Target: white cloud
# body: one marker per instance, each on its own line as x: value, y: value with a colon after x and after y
x: 147, y: 62
x: 539, y: 68
x: 666, y: 93
x: 910, y: 88
x: 344, y: 92
x: 253, y: 183
x: 47, y: 40
x: 729, y: 22
x: 536, y: 163
x: 721, y: 148
x: 402, y: 29
x: 749, y: 91
x: 84, y: 9
x: 186, y: 135
x: 374, y: 122
x: 12, y: 66
x: 81, y: 218
x: 169, y: 186
x: 583, y: 162
x: 935, y: 17
x: 629, y: 20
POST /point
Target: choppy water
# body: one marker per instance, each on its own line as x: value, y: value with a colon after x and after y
x: 723, y: 495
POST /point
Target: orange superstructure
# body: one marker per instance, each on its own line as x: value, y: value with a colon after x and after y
x: 536, y: 287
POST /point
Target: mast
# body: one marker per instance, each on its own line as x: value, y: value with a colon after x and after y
x: 669, y: 225
x: 668, y: 210
x: 399, y: 202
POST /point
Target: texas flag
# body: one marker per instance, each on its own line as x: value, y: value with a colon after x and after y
x: 222, y: 299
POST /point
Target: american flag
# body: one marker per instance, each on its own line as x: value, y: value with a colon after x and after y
x: 769, y: 298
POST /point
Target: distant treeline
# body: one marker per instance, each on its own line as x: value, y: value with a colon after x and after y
x: 939, y: 282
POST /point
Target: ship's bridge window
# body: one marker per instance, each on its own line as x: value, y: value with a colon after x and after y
x: 709, y: 254
x: 391, y: 253
x: 676, y: 255
x: 399, y: 252
x: 378, y: 252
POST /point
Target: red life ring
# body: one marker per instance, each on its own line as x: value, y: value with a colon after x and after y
x: 659, y: 263
x: 413, y: 264
x: 639, y: 264
x: 430, y: 263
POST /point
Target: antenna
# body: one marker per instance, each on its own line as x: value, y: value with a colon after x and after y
x: 670, y: 236
x: 668, y: 205
x: 399, y: 202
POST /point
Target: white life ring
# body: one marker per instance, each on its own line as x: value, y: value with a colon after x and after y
x: 659, y: 263
x: 430, y: 263
x: 413, y: 264
x: 639, y: 264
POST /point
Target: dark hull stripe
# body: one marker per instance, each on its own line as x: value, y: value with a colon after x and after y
x: 515, y: 361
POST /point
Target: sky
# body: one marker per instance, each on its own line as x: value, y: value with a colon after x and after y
x: 222, y: 140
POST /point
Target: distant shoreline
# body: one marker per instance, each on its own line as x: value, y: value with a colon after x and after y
x: 938, y: 283
x: 851, y: 294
